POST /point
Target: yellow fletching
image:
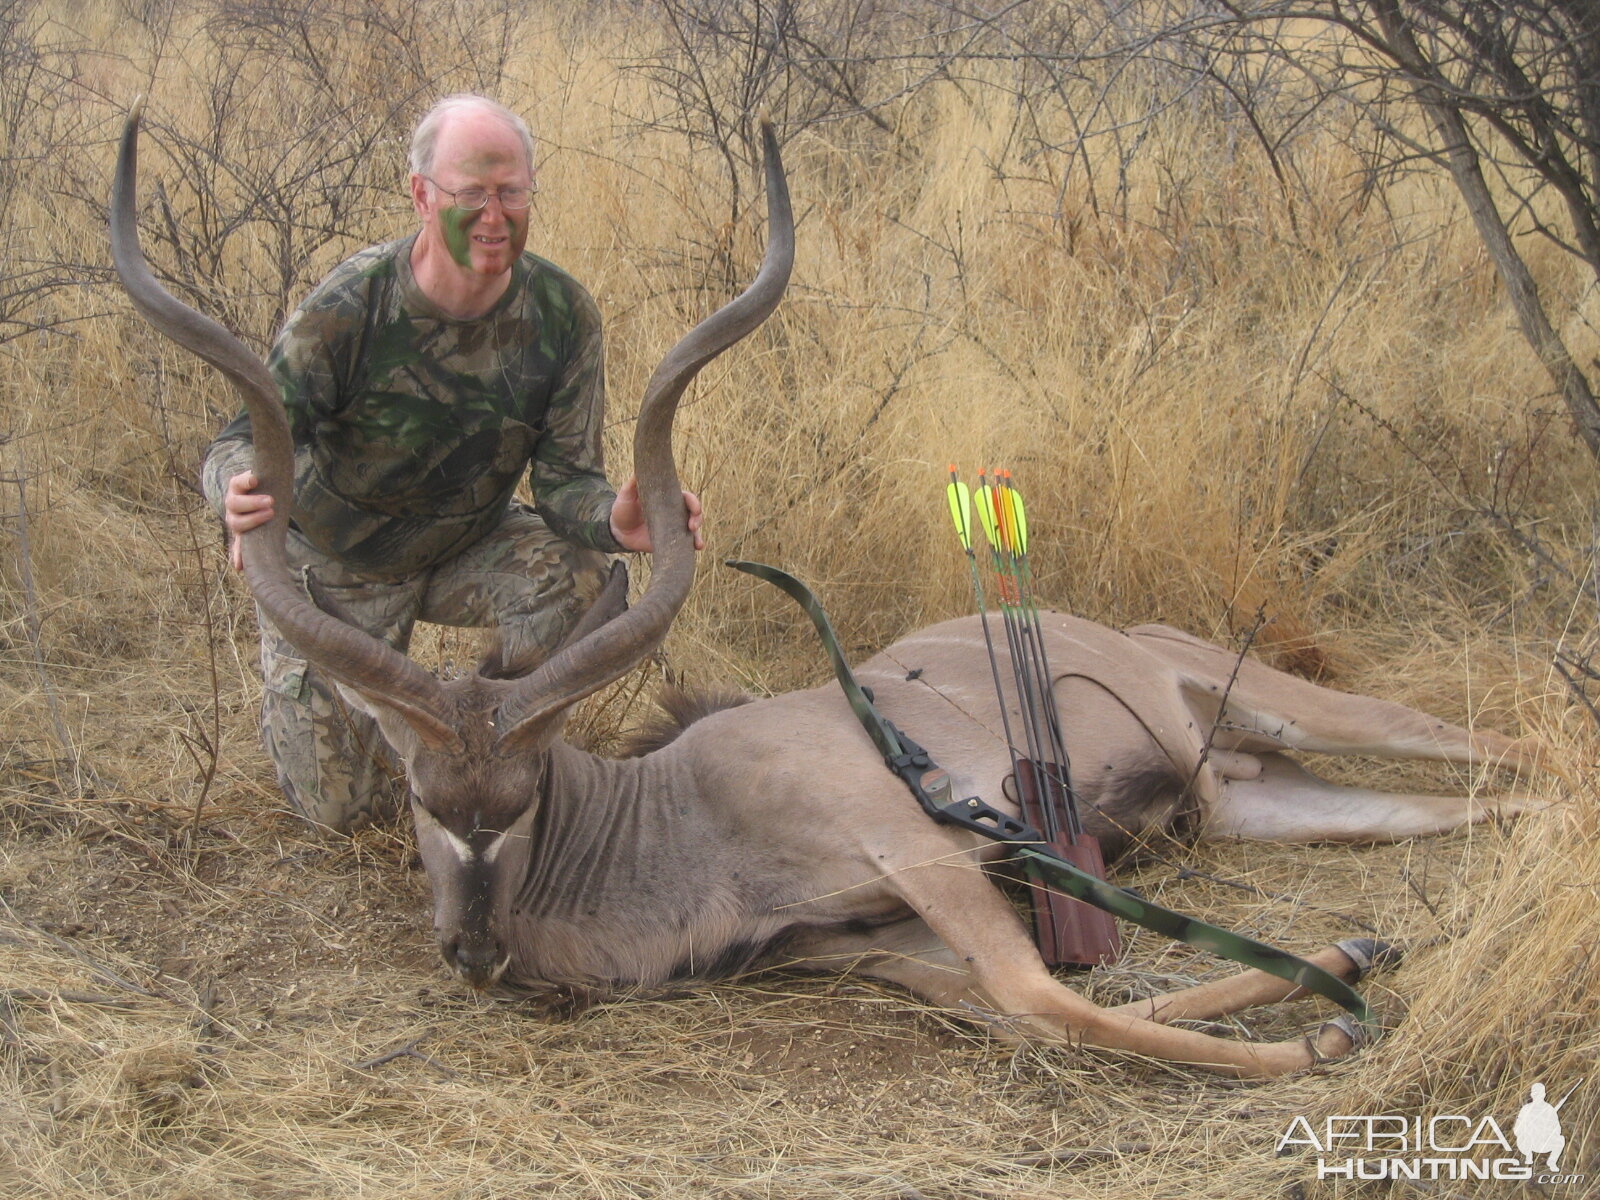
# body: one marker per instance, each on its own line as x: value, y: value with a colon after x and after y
x: 1005, y: 516
x: 960, y: 497
x: 986, y: 514
x: 1016, y: 519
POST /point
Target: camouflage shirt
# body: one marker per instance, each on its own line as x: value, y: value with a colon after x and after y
x: 412, y: 428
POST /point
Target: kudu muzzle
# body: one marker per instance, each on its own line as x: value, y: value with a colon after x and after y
x: 464, y: 920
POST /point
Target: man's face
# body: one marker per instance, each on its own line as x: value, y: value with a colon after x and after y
x: 474, y: 150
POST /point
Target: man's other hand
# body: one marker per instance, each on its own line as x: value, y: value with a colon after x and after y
x: 627, y: 518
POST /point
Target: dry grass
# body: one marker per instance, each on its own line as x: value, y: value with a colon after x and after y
x: 1212, y: 408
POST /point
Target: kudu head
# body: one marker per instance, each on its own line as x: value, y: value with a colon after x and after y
x: 473, y: 747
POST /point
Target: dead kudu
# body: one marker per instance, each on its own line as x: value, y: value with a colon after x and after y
x: 771, y: 832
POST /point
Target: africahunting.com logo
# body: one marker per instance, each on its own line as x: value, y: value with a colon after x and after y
x: 1452, y: 1146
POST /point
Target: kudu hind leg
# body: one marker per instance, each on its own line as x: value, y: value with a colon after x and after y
x: 1270, y: 710
x: 988, y: 939
x: 1296, y: 715
x: 1287, y: 803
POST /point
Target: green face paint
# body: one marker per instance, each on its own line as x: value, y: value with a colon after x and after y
x: 457, y: 224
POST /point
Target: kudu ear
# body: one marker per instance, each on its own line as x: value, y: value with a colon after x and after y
x: 529, y: 736
x: 611, y: 603
x: 386, y: 710
x: 434, y: 733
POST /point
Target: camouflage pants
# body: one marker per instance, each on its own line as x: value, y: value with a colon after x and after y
x: 332, y: 763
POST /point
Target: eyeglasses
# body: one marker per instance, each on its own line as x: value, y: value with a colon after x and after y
x: 512, y: 199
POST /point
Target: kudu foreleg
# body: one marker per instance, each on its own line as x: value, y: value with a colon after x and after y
x: 909, y: 954
x: 1012, y: 990
x: 1349, y: 961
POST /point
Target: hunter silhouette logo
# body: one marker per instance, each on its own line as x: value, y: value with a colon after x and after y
x: 1538, y: 1129
x: 1452, y: 1146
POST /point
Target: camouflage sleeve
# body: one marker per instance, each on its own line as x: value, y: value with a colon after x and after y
x: 568, y: 474
x: 302, y: 363
x: 230, y: 454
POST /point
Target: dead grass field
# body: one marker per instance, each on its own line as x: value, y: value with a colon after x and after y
x: 1216, y: 405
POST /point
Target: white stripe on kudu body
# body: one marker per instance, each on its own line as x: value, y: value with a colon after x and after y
x: 772, y: 832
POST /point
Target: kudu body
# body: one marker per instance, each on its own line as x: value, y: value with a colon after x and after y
x: 771, y: 831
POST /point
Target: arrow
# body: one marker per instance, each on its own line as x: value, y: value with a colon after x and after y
x: 960, y: 499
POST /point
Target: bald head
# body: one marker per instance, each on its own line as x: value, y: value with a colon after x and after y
x: 464, y: 109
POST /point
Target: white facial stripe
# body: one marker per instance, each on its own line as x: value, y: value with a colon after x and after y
x: 459, y: 845
x: 463, y: 851
x: 493, y: 851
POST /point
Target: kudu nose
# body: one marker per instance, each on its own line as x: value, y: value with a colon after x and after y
x: 478, y: 961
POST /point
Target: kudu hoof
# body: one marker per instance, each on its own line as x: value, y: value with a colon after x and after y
x: 1370, y: 954
x: 1337, y: 1038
